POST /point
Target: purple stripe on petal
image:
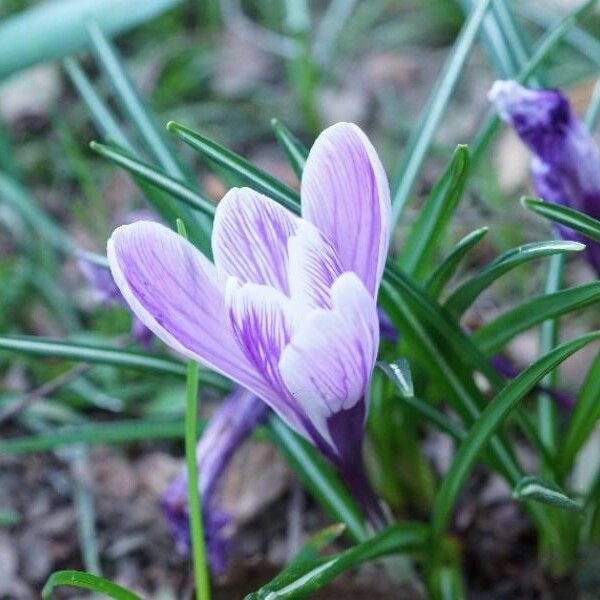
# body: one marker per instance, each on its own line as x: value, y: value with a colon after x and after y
x: 250, y: 238
x: 314, y: 266
x: 174, y: 290
x: 345, y: 193
x: 328, y: 363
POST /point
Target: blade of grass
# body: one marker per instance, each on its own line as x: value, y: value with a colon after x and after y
x: 446, y: 269
x: 318, y: 477
x: 156, y: 177
x: 435, y: 215
x: 86, y: 581
x: 493, y: 336
x: 430, y: 117
x: 488, y: 423
x: 58, y: 28
x: 201, y: 578
x: 534, y: 488
x: 115, y: 432
x: 295, y: 151
x: 231, y: 161
x: 468, y: 291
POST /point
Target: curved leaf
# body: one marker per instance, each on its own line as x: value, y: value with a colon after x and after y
x: 257, y: 178
x: 534, y: 488
x: 294, y: 149
x: 467, y: 292
x: 494, y: 335
x: 87, y: 581
x: 488, y: 423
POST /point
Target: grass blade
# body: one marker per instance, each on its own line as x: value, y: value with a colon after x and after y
x: 435, y: 215
x: 58, y: 28
x: 467, y: 292
x: 294, y: 149
x: 488, y: 423
x: 87, y: 581
x: 568, y: 217
x: 233, y: 162
x: 493, y: 336
x: 156, y: 177
x: 430, y: 117
x: 115, y: 432
x: 583, y: 420
x: 534, y: 488
x: 446, y: 269
x: 318, y: 477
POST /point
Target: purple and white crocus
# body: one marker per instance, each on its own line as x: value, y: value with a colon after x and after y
x: 288, y: 309
x: 565, y: 166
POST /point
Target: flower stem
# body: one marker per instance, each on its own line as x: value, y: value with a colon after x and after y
x: 195, y: 510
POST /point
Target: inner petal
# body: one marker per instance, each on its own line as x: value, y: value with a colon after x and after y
x: 313, y: 267
x: 250, y: 238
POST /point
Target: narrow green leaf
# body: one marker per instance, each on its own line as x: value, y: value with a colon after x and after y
x: 255, y: 177
x: 156, y: 177
x: 294, y: 149
x: 75, y: 351
x: 305, y: 578
x: 318, y: 477
x: 58, y: 28
x: 467, y: 292
x: 488, y: 423
x: 446, y: 269
x: 432, y: 113
x: 534, y: 488
x: 434, y: 216
x: 494, y: 335
x: 584, y: 418
x: 86, y: 581
x: 115, y: 432
x: 593, y: 110
x: 568, y: 217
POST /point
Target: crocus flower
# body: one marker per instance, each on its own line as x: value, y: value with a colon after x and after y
x: 565, y: 167
x: 229, y: 426
x: 288, y: 309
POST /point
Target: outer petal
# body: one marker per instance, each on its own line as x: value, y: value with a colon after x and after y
x: 174, y: 290
x: 250, y: 237
x: 314, y: 266
x: 328, y: 364
x: 345, y: 193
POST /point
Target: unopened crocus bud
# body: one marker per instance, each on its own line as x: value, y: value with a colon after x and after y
x: 230, y: 425
x: 565, y: 167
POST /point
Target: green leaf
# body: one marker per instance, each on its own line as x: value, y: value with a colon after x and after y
x: 467, y: 292
x: 255, y: 177
x: 593, y: 110
x: 58, y: 28
x: 87, y: 581
x: 488, y: 423
x: 446, y: 269
x: 294, y: 149
x: 432, y: 113
x: 399, y: 372
x: 434, y: 217
x: 115, y: 432
x: 318, y: 477
x: 75, y: 351
x: 584, y: 418
x: 156, y: 178
x: 423, y: 408
x: 303, y: 578
x: 534, y: 488
x: 497, y: 333
x: 568, y: 217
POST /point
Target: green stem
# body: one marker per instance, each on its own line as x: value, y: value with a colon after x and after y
x: 195, y: 509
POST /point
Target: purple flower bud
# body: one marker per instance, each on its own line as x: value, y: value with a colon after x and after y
x: 230, y: 425
x: 565, y: 167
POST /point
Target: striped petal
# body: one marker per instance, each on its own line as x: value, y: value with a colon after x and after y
x: 345, y: 193
x: 175, y: 291
x: 250, y: 237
